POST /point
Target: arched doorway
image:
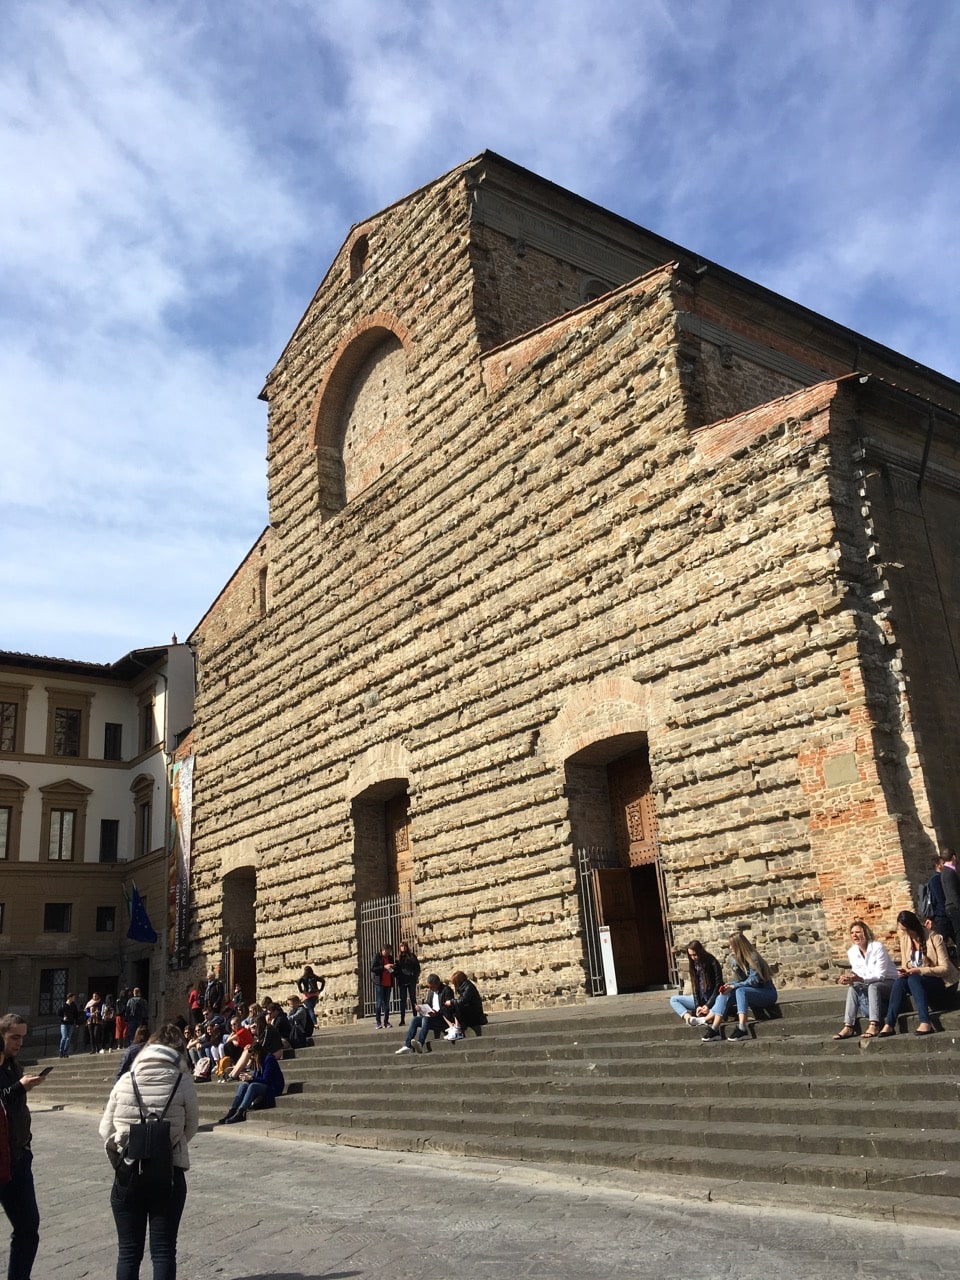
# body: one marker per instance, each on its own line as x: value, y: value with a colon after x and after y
x: 613, y: 822
x: 383, y: 867
x: 239, y: 932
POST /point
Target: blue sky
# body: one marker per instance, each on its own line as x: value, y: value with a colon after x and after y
x: 178, y: 177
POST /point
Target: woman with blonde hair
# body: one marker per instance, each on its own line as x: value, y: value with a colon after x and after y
x: 752, y: 988
x: 869, y: 982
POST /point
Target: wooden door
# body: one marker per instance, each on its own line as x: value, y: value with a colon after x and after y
x: 399, y: 846
x: 616, y: 908
x: 635, y: 824
x: 634, y: 811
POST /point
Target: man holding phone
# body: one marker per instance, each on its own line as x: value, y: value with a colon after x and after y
x: 18, y: 1197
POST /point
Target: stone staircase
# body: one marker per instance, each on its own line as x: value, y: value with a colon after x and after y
x: 620, y: 1084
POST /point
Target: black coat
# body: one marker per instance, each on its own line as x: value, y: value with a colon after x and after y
x: 408, y: 968
x: 14, y: 1099
x: 437, y: 1022
x: 70, y: 1013
x: 468, y: 1007
x: 706, y: 990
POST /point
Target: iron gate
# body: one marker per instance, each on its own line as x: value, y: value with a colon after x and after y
x: 589, y: 860
x: 384, y: 922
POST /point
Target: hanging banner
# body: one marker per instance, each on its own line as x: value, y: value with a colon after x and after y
x: 181, y: 813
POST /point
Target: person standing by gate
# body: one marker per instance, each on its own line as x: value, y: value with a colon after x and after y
x: 383, y: 980
x: 407, y: 973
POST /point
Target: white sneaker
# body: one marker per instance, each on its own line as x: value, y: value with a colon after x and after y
x: 453, y: 1035
x: 404, y: 1048
x: 696, y: 1022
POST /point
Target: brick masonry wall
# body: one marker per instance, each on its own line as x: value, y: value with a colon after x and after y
x: 566, y: 554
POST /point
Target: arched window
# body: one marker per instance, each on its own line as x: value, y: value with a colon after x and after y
x: 359, y: 255
x: 361, y: 418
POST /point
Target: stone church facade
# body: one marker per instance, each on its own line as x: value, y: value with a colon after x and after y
x: 601, y: 587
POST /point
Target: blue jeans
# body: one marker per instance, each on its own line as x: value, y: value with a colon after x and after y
x: 865, y: 1000
x: 247, y: 1095
x: 746, y: 998
x: 19, y: 1200
x: 922, y: 988
x: 683, y: 1004
x: 421, y: 1025
x: 66, y: 1035
x: 133, y: 1207
x: 381, y: 1002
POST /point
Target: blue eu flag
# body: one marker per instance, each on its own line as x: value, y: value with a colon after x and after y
x: 141, y: 930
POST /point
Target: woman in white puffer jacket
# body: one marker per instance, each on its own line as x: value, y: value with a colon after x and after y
x: 134, y: 1204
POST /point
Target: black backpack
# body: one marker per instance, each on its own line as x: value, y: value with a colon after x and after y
x: 925, y: 904
x: 149, y: 1152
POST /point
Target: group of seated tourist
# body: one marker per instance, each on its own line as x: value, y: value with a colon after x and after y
x: 877, y: 986
x: 447, y: 1008
x: 221, y: 1045
x: 749, y: 986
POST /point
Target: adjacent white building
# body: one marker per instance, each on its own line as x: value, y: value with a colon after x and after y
x: 85, y: 755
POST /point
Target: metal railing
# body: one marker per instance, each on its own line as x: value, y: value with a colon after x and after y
x: 384, y: 922
x: 593, y: 858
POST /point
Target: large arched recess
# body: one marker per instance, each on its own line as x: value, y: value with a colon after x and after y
x: 360, y: 416
x: 601, y: 740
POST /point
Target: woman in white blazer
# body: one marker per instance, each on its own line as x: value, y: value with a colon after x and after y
x: 163, y: 1078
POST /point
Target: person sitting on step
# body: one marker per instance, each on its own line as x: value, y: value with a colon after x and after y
x: 428, y: 1016
x: 706, y: 975
x: 301, y: 1024
x: 752, y: 988
x: 259, y: 1087
x: 239, y: 1038
x: 869, y: 983
x: 926, y: 972
x: 266, y: 1037
x: 465, y: 1011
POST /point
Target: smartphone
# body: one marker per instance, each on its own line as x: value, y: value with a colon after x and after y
x: 45, y: 1072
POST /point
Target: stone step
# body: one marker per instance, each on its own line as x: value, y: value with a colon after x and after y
x: 697, y: 1109
x: 628, y: 1087
x: 745, y: 1133
x: 885, y: 1176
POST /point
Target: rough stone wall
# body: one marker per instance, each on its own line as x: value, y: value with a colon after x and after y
x: 914, y: 580
x: 566, y: 555
x: 732, y: 383
x: 246, y: 597
x: 517, y: 292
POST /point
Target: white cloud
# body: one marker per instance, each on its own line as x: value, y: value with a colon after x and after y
x: 178, y: 177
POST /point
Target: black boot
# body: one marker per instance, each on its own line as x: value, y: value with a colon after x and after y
x: 228, y: 1117
x: 237, y: 1118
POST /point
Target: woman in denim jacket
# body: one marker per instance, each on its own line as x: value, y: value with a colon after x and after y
x: 752, y: 988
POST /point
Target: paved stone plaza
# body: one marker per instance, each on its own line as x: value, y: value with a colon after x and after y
x: 260, y: 1208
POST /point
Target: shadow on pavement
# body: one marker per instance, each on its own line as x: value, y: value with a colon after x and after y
x: 298, y: 1275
